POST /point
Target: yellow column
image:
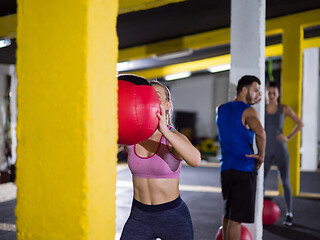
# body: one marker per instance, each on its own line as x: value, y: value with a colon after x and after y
x: 292, y: 93
x: 67, y: 121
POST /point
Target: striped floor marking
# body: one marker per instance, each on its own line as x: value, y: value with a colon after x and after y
x: 8, y: 227
x: 8, y: 191
x: 198, y: 188
x: 189, y: 188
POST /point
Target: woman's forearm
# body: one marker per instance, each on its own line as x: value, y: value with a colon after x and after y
x: 184, y: 148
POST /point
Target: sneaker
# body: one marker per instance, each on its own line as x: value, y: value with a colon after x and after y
x: 268, y: 198
x: 288, y: 221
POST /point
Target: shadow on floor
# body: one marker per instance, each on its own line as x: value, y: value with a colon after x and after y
x: 296, y: 232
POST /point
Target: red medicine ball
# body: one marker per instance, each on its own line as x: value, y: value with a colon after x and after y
x: 270, y: 213
x: 138, y: 105
x: 245, y: 234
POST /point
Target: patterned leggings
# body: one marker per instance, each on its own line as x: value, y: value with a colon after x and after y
x: 168, y: 221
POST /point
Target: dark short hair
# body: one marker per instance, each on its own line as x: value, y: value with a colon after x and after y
x: 246, y: 81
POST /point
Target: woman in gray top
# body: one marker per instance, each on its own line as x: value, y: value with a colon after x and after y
x: 276, y: 146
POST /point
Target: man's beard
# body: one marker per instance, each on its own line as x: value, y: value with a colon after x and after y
x: 249, y: 99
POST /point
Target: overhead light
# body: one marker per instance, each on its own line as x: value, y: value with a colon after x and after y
x: 5, y: 42
x: 173, y: 55
x: 124, y: 66
x: 177, y: 76
x: 219, y: 68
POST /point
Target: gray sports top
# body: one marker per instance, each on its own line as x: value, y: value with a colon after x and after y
x: 274, y: 123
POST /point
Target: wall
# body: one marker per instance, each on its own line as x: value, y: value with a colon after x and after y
x: 201, y: 94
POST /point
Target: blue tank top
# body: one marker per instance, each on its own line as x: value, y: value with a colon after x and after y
x: 235, y: 139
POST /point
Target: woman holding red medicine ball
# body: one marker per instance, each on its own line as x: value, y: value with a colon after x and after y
x: 157, y: 209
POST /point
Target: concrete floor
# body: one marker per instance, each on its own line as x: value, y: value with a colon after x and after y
x: 200, y: 189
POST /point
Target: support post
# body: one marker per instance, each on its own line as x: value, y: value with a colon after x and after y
x: 247, y: 58
x: 67, y: 119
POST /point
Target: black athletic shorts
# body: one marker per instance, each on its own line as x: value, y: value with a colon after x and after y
x: 239, y: 195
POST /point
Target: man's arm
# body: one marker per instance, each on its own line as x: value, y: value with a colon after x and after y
x: 251, y: 119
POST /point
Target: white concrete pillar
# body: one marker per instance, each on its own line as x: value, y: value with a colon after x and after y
x: 247, y: 58
x: 310, y: 108
x: 7, y: 70
x: 3, y: 113
x: 13, y: 112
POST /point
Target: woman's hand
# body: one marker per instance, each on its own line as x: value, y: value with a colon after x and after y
x: 180, y: 143
x: 120, y: 147
x: 282, y: 138
x: 287, y: 111
x: 162, y: 120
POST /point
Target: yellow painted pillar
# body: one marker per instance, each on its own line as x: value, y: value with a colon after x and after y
x: 67, y: 120
x: 292, y: 93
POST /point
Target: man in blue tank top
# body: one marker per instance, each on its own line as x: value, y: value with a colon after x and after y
x: 237, y: 123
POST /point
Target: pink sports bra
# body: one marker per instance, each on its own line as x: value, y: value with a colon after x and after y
x: 162, y: 164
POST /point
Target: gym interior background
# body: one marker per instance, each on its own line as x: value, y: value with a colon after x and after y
x: 185, y: 37
x: 158, y: 40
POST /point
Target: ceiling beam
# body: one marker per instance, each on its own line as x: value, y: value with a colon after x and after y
x: 311, y: 42
x: 126, y: 6
x: 196, y: 41
x: 182, y: 67
x: 8, y: 26
x: 199, y: 65
x: 214, y: 37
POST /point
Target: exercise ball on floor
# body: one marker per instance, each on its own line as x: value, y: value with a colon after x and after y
x: 245, y: 234
x: 138, y: 105
x: 270, y: 213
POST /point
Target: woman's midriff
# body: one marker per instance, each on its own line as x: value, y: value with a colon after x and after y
x: 155, y: 191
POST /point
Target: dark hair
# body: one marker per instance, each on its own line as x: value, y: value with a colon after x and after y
x: 246, y: 81
x: 133, y: 79
x: 273, y: 84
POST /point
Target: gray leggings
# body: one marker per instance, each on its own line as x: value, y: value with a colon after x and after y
x: 278, y: 152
